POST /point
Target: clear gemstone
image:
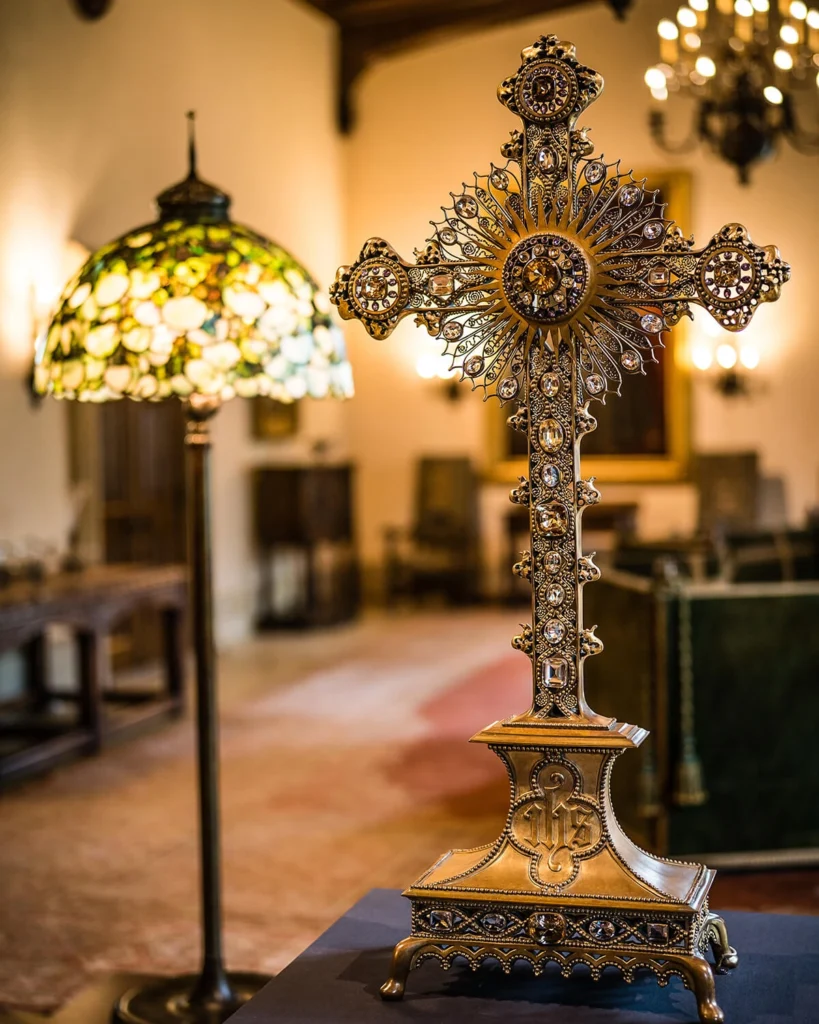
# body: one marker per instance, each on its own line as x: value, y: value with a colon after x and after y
x: 550, y: 434
x: 630, y: 360
x: 546, y: 159
x: 493, y: 922
x: 473, y: 366
x: 595, y: 171
x: 630, y: 195
x: 653, y: 229
x: 546, y: 929
x: 453, y: 330
x: 552, y: 562
x: 652, y: 323
x: 550, y: 384
x: 508, y: 388
x: 554, y: 630
x: 551, y: 475
x: 466, y: 206
x: 500, y: 179
x: 595, y: 383
x: 602, y: 929
x: 440, y: 920
x: 447, y: 236
x: 657, y: 932
x: 552, y: 519
x: 440, y: 285
x: 554, y: 673
x: 659, y: 276
x: 555, y: 594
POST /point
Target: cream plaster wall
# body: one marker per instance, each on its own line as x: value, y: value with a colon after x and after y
x: 428, y: 119
x: 91, y: 128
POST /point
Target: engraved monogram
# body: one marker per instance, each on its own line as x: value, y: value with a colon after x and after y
x: 555, y: 825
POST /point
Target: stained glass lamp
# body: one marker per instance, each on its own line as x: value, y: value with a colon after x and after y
x: 203, y: 309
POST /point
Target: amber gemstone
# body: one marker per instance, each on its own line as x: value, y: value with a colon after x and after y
x: 659, y: 276
x: 542, y: 276
x: 440, y: 285
x: 552, y: 519
x: 374, y: 287
x: 727, y: 275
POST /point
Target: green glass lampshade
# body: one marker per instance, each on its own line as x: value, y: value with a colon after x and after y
x: 193, y: 303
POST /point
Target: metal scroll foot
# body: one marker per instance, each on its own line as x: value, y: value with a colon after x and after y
x: 700, y: 978
x: 402, y: 957
x: 725, y: 956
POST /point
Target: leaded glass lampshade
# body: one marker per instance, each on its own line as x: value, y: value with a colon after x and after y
x: 192, y: 303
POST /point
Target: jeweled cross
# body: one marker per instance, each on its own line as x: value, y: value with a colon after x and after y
x: 546, y: 279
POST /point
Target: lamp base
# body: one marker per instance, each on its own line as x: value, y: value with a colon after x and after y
x: 167, y: 1001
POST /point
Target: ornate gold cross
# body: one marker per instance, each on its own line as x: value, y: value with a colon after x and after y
x: 547, y: 279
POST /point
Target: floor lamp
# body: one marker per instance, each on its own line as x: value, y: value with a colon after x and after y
x: 196, y: 307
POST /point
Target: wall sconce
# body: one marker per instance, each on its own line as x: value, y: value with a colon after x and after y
x: 431, y: 365
x: 728, y: 361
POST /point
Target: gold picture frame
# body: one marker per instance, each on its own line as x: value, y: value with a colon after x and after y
x: 271, y: 420
x: 673, y: 464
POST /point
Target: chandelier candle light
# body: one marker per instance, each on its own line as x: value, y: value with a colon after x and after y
x: 196, y: 307
x: 748, y: 64
x: 547, y: 279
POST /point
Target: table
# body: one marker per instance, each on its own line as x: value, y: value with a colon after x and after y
x: 338, y: 977
x: 90, y: 603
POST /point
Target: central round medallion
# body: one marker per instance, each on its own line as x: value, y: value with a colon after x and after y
x: 546, y: 278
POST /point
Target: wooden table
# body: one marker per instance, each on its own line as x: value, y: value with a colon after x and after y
x: 89, y: 603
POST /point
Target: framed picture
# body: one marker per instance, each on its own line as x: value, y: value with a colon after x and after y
x: 271, y: 420
x: 645, y: 434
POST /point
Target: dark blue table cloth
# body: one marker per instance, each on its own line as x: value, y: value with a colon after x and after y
x: 338, y: 977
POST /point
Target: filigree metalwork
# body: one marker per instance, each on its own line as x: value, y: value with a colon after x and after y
x: 547, y: 279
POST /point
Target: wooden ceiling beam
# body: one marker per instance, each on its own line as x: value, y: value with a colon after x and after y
x: 373, y: 29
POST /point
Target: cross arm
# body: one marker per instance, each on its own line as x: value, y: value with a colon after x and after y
x: 381, y: 288
x: 729, y: 277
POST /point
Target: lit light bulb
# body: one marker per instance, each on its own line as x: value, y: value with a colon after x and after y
x: 763, y: 6
x: 783, y: 60
x: 726, y: 356
x: 426, y: 365
x: 698, y: 5
x: 817, y: 79
x: 691, y: 41
x: 799, y: 10
x: 687, y: 18
x: 667, y: 29
x: 789, y: 34
x: 772, y: 94
x: 654, y: 78
x: 660, y: 94
x: 749, y: 357
x: 744, y: 8
x: 706, y: 67
x: 701, y: 356
x: 813, y: 19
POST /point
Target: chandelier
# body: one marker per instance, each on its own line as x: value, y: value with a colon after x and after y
x: 749, y: 65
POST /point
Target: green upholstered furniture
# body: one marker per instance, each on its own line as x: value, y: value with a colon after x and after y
x: 726, y: 677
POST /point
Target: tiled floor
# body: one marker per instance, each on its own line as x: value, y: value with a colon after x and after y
x: 344, y: 766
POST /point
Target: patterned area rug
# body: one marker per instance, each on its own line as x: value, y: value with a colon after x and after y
x: 344, y: 766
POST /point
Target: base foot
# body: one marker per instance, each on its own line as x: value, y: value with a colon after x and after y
x: 725, y: 956
x: 402, y: 962
x: 167, y: 1001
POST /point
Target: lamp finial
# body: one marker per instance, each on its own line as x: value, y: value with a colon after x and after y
x: 191, y: 116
